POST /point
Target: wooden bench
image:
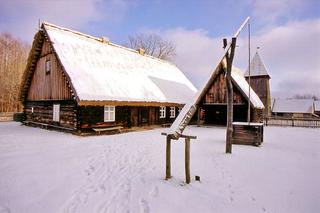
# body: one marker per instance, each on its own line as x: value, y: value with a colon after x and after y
x: 45, y: 125
x: 166, y: 125
x: 105, y: 129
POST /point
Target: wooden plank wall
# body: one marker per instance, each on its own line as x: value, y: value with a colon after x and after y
x: 217, y: 93
x: 247, y: 135
x: 260, y: 84
x: 48, y: 86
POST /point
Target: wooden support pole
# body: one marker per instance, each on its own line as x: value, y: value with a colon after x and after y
x: 229, y: 57
x: 187, y: 159
x: 199, y: 114
x: 168, y: 158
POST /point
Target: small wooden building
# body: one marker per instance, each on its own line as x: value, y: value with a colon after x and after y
x: 213, y: 105
x: 78, y: 83
x: 259, y: 81
x: 294, y: 108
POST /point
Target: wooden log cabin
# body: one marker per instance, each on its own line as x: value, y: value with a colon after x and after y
x: 212, y: 108
x: 79, y: 83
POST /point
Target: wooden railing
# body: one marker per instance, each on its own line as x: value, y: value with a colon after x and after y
x: 294, y: 122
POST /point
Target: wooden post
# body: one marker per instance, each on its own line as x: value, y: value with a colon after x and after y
x: 187, y: 159
x: 168, y: 158
x: 229, y: 57
x: 199, y: 113
x: 186, y: 153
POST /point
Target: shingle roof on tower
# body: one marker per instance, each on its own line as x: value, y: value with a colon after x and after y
x: 257, y: 67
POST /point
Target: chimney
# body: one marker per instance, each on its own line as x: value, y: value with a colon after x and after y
x: 105, y: 40
x: 141, y: 51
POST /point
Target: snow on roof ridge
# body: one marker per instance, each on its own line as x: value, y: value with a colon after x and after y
x: 78, y: 33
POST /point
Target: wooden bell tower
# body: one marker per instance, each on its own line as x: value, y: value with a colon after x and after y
x: 259, y: 82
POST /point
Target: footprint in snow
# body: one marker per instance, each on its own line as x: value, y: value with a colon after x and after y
x: 142, y: 180
x: 144, y: 206
x: 4, y: 209
x: 154, y: 192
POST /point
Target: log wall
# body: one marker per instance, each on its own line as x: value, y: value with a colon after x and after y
x: 126, y: 116
x: 247, y: 134
x: 43, y: 113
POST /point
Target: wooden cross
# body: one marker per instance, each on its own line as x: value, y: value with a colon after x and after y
x: 186, y: 154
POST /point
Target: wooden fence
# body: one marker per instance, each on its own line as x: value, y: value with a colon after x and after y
x: 6, y: 116
x: 294, y: 122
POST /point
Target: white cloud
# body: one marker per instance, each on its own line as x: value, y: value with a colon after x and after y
x: 291, y: 54
x: 21, y: 17
x: 269, y: 13
x: 195, y: 51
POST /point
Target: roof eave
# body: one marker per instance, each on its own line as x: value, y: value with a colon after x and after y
x: 126, y: 103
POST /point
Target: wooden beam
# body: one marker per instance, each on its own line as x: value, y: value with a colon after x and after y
x: 180, y: 136
x: 198, y: 118
x: 189, y: 109
x: 229, y: 57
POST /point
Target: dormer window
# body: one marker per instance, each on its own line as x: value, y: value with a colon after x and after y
x: 47, y: 67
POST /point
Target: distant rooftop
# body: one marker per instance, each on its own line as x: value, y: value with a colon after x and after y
x: 257, y: 68
x: 293, y: 106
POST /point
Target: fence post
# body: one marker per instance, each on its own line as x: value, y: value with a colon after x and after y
x: 187, y: 159
x: 168, y: 158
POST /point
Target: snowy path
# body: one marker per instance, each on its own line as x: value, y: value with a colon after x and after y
x: 47, y: 171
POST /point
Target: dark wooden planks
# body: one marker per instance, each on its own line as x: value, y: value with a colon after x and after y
x: 247, y: 134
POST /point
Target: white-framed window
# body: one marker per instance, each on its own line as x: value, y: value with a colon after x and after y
x: 56, y: 112
x: 47, y: 66
x: 162, y: 112
x: 172, y: 112
x: 109, y: 113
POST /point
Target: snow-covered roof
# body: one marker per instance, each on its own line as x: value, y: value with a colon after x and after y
x: 102, y: 71
x: 317, y: 106
x: 242, y: 84
x: 257, y: 68
x: 293, y: 106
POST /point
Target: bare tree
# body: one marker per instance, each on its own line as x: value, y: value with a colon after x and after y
x: 153, y: 44
x: 306, y: 96
x: 13, y: 58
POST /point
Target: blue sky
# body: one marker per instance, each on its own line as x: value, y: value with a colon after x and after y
x: 288, y: 31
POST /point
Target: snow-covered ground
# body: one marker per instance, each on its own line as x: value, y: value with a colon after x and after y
x: 48, y: 171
